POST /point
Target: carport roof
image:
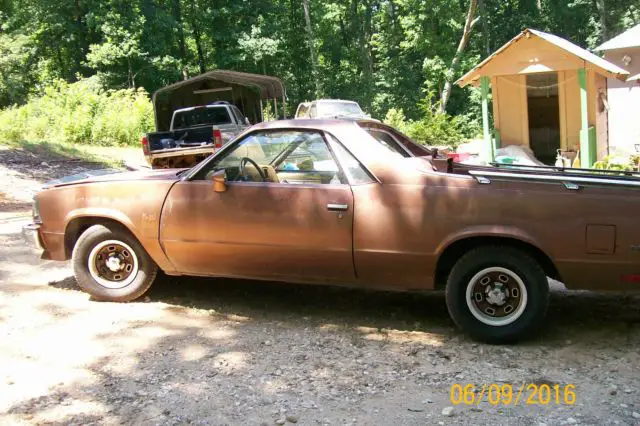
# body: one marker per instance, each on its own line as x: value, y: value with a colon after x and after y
x: 269, y: 87
x: 628, y: 39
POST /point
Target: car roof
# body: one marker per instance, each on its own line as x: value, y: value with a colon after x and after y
x: 335, y: 100
x: 304, y: 123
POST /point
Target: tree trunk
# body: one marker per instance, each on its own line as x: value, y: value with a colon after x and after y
x: 486, y: 34
x: 197, y: 39
x: 81, y: 38
x: 363, y: 30
x: 602, y: 11
x: 132, y: 81
x: 312, y: 47
x: 468, y: 26
x: 177, y: 14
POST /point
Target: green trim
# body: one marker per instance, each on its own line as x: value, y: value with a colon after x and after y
x: 587, y: 134
x: 484, y: 93
x: 497, y: 139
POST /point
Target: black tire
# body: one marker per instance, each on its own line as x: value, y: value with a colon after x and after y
x: 140, y: 277
x: 515, y: 261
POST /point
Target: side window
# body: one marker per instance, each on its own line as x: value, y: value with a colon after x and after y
x: 351, y: 165
x: 293, y: 157
x: 313, y: 112
x: 386, y: 140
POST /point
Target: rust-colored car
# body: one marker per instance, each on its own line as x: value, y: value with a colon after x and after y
x: 315, y: 201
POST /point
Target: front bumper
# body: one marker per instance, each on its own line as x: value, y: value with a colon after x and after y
x: 31, y: 236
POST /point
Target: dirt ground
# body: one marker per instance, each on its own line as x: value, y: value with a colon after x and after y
x: 221, y: 351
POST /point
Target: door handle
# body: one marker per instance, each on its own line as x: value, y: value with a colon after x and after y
x: 337, y: 207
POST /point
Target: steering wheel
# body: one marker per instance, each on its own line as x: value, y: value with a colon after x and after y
x: 243, y: 164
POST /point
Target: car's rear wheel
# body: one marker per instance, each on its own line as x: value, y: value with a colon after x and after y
x: 497, y: 294
x: 111, y: 265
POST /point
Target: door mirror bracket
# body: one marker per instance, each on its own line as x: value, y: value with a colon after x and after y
x: 219, y: 179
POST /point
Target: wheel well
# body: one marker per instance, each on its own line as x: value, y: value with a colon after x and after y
x: 452, y: 253
x: 77, y: 226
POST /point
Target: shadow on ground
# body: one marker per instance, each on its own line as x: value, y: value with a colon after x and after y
x: 576, y: 314
x: 223, y: 351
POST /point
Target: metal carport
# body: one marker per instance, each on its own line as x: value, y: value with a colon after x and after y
x: 245, y: 90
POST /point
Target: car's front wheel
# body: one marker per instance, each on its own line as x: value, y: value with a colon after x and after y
x: 111, y: 265
x: 497, y: 294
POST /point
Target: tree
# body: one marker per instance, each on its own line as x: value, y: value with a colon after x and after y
x: 257, y: 47
x: 312, y: 47
x: 466, y: 33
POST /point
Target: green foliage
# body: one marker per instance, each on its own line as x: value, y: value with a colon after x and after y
x: 434, y: 128
x: 80, y: 113
x: 16, y: 60
x: 268, y: 113
x: 621, y: 163
x: 380, y: 53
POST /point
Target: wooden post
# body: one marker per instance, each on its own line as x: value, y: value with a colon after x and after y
x: 284, y: 108
x: 261, y: 113
x: 586, y: 157
x: 484, y: 92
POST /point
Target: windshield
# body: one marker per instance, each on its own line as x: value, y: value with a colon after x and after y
x: 200, y: 116
x: 331, y: 109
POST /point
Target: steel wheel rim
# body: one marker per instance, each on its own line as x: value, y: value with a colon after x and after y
x: 496, y: 296
x: 113, y: 264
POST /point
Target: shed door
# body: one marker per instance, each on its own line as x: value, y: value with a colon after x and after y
x: 543, y: 109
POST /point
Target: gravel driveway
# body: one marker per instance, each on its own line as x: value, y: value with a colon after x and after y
x: 221, y: 351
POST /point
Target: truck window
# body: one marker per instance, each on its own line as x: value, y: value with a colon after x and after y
x: 238, y: 115
x: 201, y: 116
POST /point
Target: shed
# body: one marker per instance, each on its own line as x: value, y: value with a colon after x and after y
x: 548, y: 94
x: 246, y: 91
x: 624, y: 96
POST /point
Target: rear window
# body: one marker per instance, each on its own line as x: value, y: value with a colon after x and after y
x: 393, y: 142
x: 201, y: 117
x: 386, y: 140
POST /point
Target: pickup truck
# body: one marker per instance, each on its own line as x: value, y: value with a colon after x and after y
x: 336, y: 202
x: 195, y: 133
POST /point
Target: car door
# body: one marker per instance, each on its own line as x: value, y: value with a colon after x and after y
x: 295, y: 224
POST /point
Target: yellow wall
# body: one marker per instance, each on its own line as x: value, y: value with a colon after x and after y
x: 510, y: 109
x: 512, y: 120
x: 569, y: 98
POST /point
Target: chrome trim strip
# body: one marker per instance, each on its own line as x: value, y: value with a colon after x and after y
x: 31, y: 235
x: 563, y: 178
x: 337, y: 207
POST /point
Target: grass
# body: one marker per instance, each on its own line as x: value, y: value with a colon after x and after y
x: 115, y: 157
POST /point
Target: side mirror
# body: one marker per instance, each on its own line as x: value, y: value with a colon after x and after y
x: 219, y: 179
x: 247, y: 122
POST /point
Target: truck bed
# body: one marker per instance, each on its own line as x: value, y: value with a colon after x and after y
x: 570, y: 177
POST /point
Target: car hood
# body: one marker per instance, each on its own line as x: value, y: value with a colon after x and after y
x: 109, y: 175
